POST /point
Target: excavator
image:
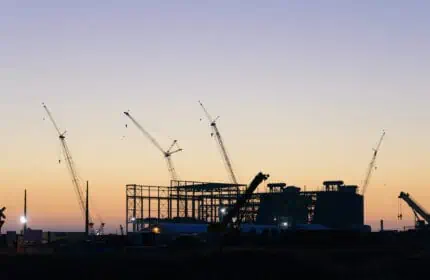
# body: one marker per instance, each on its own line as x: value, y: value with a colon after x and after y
x: 422, y: 217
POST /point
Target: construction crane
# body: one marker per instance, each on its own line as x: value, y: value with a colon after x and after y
x: 2, y: 217
x: 215, y: 132
x: 174, y: 148
x: 243, y: 199
x: 77, y: 183
x: 418, y: 211
x: 372, y: 164
x: 234, y: 210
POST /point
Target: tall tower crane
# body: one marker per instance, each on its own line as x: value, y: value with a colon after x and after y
x: 372, y: 164
x: 174, y: 148
x: 220, y: 142
x: 77, y: 183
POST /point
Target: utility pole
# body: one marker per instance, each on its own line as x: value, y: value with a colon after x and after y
x: 25, y: 210
x: 87, y: 212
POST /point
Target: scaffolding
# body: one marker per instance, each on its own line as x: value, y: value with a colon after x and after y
x: 182, y: 201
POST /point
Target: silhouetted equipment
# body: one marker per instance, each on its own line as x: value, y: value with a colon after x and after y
x: 167, y: 154
x: 220, y: 142
x: 77, y: 182
x: 332, y: 185
x: 241, y: 201
x: 421, y: 215
x: 372, y: 164
x: 121, y: 229
x: 2, y: 217
x: 276, y: 187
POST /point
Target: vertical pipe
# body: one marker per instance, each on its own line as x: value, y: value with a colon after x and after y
x: 186, y: 204
x: 134, y: 208
x: 158, y: 196
x: 177, y: 201
x: 87, y: 211
x: 212, y: 206
x: 149, y: 206
x: 126, y: 210
x: 193, y: 205
x: 141, y: 207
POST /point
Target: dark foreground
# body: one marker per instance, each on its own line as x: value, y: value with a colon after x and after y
x: 303, y: 256
x: 228, y: 264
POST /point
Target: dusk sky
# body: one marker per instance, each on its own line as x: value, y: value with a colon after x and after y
x: 303, y: 90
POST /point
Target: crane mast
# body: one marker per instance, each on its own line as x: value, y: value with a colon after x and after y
x: 221, y: 145
x: 166, y: 153
x: 72, y: 170
x: 372, y: 164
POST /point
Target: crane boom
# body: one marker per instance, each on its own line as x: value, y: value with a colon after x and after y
x: 77, y: 184
x: 415, y: 206
x: 372, y: 164
x: 167, y: 154
x: 221, y: 145
x: 149, y: 136
x: 241, y: 201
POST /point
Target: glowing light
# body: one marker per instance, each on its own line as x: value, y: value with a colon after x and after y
x: 156, y: 230
x: 133, y: 219
x: 223, y: 210
x: 23, y: 220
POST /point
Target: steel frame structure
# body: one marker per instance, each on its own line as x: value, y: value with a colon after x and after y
x: 195, y: 202
x: 182, y: 201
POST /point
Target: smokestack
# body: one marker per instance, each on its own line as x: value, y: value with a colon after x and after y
x: 382, y: 225
x: 87, y: 218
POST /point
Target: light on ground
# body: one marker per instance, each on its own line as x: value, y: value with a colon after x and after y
x: 156, y: 230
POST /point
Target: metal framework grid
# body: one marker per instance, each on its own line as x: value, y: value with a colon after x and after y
x: 183, y: 201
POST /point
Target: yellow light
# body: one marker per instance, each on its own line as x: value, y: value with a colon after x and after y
x: 156, y: 230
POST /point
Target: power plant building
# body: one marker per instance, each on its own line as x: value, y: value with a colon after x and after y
x: 336, y: 206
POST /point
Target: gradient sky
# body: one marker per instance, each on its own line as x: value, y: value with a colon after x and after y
x: 303, y: 88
